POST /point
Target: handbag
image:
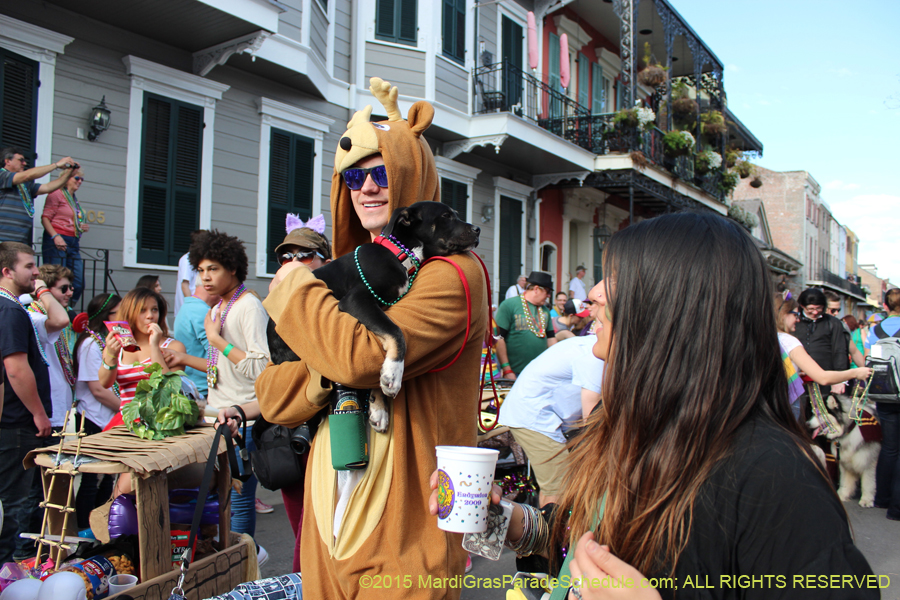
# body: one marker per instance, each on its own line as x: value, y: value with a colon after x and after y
x: 275, y: 462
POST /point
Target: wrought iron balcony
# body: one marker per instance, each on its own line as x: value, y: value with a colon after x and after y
x: 835, y: 280
x: 503, y: 87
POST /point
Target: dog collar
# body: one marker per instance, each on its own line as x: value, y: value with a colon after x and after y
x: 406, y: 257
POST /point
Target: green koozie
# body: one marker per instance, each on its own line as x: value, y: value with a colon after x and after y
x: 348, y: 423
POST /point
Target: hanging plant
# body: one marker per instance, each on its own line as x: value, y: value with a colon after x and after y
x: 733, y: 157
x: 652, y: 75
x: 707, y: 161
x: 678, y: 143
x: 729, y: 181
x: 637, y: 117
x: 712, y: 124
x: 745, y: 169
x: 756, y: 182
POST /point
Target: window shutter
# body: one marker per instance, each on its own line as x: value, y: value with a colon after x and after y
x: 598, y: 102
x: 454, y: 30
x: 584, y: 78
x: 455, y: 195
x: 171, y: 159
x: 18, y: 103
x: 461, y: 30
x: 384, y: 19
x: 409, y: 25
x: 291, y: 173
x: 510, y: 241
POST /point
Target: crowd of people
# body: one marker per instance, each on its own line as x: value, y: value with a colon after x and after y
x: 662, y: 410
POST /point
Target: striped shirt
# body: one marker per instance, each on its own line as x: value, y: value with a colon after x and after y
x: 128, y: 376
x: 15, y: 222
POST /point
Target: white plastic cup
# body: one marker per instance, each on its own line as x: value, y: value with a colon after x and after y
x: 120, y: 583
x: 465, y: 477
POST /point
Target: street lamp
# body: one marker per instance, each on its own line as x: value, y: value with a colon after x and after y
x: 602, y: 235
x: 99, y: 121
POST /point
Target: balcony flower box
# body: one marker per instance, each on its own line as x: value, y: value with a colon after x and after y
x: 678, y: 143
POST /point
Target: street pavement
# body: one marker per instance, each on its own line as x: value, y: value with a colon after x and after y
x: 876, y: 537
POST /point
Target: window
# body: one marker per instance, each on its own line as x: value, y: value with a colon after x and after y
x: 169, y: 204
x: 455, y: 195
x: 291, y: 172
x: 455, y: 30
x: 598, y: 92
x: 510, y: 241
x: 396, y: 21
x: 584, y: 80
x: 18, y: 103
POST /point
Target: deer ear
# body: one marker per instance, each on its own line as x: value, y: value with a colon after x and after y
x: 421, y: 114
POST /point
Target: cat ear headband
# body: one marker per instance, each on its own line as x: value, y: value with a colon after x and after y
x: 316, y: 223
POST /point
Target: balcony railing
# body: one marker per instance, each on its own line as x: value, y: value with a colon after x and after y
x: 97, y: 274
x: 503, y: 87
x: 836, y: 280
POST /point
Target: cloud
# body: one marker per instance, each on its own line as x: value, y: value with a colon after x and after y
x: 842, y: 72
x: 875, y: 219
x: 837, y: 184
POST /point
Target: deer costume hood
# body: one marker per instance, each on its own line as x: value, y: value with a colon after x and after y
x: 411, y: 170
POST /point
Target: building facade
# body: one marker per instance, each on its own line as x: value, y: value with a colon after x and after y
x: 225, y: 115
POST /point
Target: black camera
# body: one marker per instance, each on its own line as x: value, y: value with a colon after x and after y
x: 302, y: 436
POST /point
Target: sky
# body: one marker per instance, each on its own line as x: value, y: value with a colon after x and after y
x: 818, y: 83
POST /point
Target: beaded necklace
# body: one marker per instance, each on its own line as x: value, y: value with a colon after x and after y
x: 368, y: 285
x: 96, y: 337
x: 5, y: 293
x: 61, y: 345
x: 212, y: 371
x: 858, y: 401
x: 76, y: 210
x: 538, y: 329
x: 25, y: 195
x: 826, y: 421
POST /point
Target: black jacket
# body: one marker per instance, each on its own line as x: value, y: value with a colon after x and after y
x: 824, y: 340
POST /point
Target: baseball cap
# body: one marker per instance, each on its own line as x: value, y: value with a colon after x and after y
x: 577, y: 307
x: 306, y: 238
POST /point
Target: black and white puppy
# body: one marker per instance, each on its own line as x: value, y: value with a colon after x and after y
x: 425, y: 229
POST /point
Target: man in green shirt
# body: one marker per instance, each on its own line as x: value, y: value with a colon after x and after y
x: 524, y: 325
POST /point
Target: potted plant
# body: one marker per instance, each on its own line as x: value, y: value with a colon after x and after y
x: 744, y: 169
x: 683, y: 106
x: 756, y: 182
x: 708, y: 161
x: 712, y: 124
x: 733, y: 156
x: 652, y: 75
x: 746, y: 219
x: 636, y: 118
x: 678, y: 143
x: 729, y: 181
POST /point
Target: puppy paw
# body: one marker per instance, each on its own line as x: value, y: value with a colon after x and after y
x: 379, y: 417
x: 391, y: 377
x: 867, y: 502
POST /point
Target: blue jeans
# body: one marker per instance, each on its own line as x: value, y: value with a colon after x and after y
x: 243, y: 505
x: 887, y: 472
x: 15, y: 484
x: 71, y: 258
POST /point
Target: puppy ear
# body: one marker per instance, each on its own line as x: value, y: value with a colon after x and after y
x: 403, y: 218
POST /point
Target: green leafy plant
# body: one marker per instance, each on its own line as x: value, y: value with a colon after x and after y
x: 729, y: 181
x: 745, y: 218
x: 684, y: 107
x: 653, y: 74
x: 159, y: 409
x: 678, y: 143
x: 707, y: 161
x: 713, y: 124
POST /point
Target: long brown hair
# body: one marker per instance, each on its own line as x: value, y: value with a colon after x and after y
x: 693, y: 356
x: 782, y: 308
x: 133, y: 303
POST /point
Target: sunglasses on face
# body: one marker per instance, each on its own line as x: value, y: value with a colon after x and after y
x: 796, y: 313
x: 833, y: 311
x: 304, y: 257
x: 355, y: 178
x: 78, y: 178
x: 65, y: 288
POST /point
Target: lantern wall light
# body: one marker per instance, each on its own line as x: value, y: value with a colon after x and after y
x: 99, y: 121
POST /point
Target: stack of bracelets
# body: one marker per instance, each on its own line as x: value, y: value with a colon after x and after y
x: 535, y: 535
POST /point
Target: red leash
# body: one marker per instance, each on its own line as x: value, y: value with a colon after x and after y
x: 488, y: 336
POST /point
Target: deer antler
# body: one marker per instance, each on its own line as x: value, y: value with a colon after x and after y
x: 387, y: 95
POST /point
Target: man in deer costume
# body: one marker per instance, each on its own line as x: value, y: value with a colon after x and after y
x: 378, y: 523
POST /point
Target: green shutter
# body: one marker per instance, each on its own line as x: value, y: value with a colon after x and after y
x: 510, y: 231
x: 455, y: 195
x: 598, y: 102
x: 396, y: 21
x: 408, y: 22
x: 18, y: 104
x: 454, y: 30
x: 384, y: 20
x: 171, y: 157
x: 553, y: 79
x: 584, y: 78
x: 291, y: 174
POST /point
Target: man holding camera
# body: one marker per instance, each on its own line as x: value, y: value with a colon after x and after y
x: 18, y: 191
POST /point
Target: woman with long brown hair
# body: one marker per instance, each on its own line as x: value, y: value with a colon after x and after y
x: 693, y: 467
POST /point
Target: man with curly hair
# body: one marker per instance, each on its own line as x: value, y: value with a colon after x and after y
x: 238, y: 350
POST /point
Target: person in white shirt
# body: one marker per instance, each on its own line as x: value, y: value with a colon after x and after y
x: 576, y: 286
x: 186, y: 281
x: 550, y: 397
x: 516, y: 290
